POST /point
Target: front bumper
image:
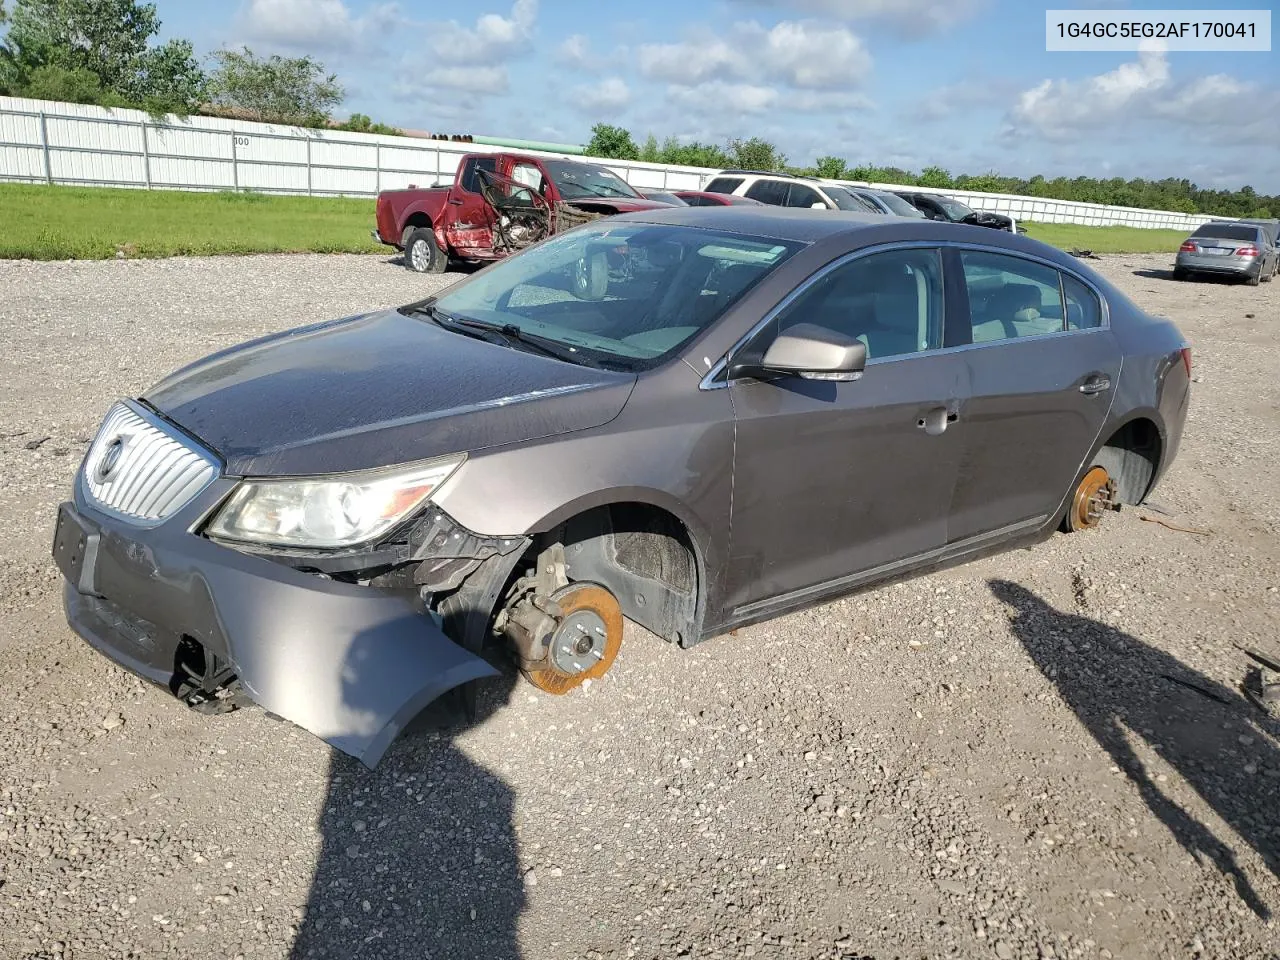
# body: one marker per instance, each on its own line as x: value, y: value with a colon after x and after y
x: 351, y: 664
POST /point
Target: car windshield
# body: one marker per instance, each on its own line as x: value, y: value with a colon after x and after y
x: 1227, y: 231
x: 847, y: 201
x: 954, y: 208
x: 578, y: 181
x: 899, y: 206
x: 617, y: 294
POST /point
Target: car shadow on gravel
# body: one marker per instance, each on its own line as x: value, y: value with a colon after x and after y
x: 1123, y: 689
x: 418, y: 859
x: 1210, y: 278
x: 458, y: 267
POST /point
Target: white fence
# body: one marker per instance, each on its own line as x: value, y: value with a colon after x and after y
x: 64, y: 143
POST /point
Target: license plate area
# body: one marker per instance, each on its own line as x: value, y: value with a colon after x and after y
x: 1217, y: 251
x: 75, y: 549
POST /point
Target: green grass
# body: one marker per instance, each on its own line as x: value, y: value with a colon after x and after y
x: 94, y: 223
x: 1071, y: 236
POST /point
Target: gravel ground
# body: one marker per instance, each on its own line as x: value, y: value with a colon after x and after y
x: 1043, y: 754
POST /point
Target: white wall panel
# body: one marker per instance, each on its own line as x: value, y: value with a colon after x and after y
x: 87, y: 144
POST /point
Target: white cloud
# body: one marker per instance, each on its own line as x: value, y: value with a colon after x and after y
x: 715, y: 78
x: 911, y: 17
x: 802, y: 54
x: 1144, y: 93
x: 315, y: 25
x: 608, y: 95
x: 575, y: 52
x: 492, y: 38
x: 477, y: 81
x: 721, y: 97
x: 964, y: 95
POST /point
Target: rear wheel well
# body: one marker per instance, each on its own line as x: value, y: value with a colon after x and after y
x: 1131, y: 458
x: 415, y: 220
x: 644, y: 555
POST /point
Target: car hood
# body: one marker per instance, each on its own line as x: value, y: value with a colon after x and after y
x: 375, y: 390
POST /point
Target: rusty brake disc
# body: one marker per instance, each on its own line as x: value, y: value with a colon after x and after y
x: 586, y: 642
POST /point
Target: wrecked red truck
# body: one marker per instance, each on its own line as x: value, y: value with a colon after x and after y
x: 499, y: 203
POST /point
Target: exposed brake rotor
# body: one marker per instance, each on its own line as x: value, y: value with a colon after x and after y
x: 584, y: 643
x: 1095, y: 495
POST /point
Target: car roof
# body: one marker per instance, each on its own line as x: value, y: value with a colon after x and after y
x: 783, y: 223
x: 802, y: 225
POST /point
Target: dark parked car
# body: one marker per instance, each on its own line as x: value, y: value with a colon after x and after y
x: 1227, y: 248
x: 692, y: 418
x: 702, y: 198
x: 887, y: 203
x: 1271, y: 226
x: 937, y: 207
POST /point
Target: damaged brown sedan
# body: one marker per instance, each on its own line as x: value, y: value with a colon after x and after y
x: 693, y: 418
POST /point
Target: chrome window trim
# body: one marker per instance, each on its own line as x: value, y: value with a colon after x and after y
x: 709, y: 381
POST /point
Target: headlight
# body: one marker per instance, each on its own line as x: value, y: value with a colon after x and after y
x: 337, y: 511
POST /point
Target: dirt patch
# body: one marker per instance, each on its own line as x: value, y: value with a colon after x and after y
x: 1044, y: 754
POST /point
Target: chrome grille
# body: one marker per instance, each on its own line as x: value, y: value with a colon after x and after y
x: 142, y: 471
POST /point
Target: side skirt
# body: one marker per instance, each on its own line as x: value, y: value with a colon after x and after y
x: 1026, y: 533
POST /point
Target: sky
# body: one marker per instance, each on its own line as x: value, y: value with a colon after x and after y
x: 962, y: 84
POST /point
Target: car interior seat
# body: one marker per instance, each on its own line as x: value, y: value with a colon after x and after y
x: 897, y: 306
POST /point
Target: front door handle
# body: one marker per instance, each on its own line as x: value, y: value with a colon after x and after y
x: 935, y: 421
x: 1098, y: 383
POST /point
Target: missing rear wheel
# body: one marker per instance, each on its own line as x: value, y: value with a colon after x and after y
x: 1094, y: 496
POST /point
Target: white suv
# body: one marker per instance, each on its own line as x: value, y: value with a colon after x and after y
x: 783, y: 190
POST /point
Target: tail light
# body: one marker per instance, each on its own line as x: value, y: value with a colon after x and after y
x: 1186, y: 359
x: 1187, y: 247
x: 1247, y: 252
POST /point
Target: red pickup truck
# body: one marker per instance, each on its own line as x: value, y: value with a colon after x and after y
x: 498, y: 203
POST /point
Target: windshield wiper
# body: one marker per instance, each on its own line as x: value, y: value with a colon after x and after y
x: 510, y: 333
x: 514, y: 334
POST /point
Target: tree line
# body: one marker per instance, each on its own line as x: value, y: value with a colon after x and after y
x: 1181, y: 196
x: 104, y: 52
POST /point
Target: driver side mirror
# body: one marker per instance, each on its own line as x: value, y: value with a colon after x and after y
x: 811, y: 353
x: 817, y: 205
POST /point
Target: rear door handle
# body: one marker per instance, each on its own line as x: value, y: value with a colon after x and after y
x: 1095, y: 384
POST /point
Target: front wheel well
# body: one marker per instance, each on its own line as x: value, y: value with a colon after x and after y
x: 644, y: 555
x: 1131, y: 458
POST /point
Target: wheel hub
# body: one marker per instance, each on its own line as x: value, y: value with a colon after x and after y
x: 585, y: 642
x: 419, y: 255
x: 578, y: 643
x: 1095, y: 495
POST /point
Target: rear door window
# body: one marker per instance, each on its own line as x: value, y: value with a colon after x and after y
x: 769, y: 191
x: 1010, y: 297
x: 1084, y: 310
x: 469, y: 179
x: 723, y: 185
x: 801, y: 196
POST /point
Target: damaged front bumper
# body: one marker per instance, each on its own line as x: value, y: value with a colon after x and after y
x: 352, y: 664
